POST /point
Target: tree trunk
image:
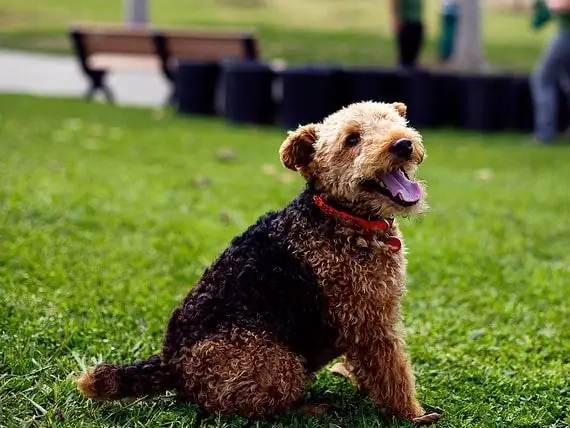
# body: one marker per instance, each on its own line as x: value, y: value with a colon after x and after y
x: 468, y: 46
x: 136, y: 12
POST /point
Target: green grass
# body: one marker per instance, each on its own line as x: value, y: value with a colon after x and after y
x: 355, y: 32
x: 108, y: 216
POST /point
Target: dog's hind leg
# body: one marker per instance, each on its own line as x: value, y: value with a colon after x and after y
x: 243, y: 373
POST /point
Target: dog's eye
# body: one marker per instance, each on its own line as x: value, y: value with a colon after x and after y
x: 352, y: 139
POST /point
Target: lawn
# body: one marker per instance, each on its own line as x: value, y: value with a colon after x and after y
x: 108, y: 216
x: 355, y: 32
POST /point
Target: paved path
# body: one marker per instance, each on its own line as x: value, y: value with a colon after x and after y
x: 33, y: 73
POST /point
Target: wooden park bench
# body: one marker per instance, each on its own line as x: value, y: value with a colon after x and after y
x: 101, y: 48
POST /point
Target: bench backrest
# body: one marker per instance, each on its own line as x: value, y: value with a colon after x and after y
x: 210, y: 47
x: 167, y: 44
x: 116, y: 41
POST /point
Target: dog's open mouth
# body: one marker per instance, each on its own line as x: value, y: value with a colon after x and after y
x: 397, y: 186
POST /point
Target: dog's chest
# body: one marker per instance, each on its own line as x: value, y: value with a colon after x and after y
x: 361, y: 278
x: 365, y: 269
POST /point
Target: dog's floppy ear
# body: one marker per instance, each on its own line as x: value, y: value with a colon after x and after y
x: 401, y: 108
x: 298, y: 149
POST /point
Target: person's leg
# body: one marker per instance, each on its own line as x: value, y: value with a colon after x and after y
x: 565, y: 85
x: 448, y: 30
x: 419, y: 42
x: 403, y: 44
x: 416, y: 42
x: 411, y: 42
x: 544, y: 84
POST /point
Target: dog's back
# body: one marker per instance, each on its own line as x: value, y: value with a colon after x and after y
x: 259, y: 284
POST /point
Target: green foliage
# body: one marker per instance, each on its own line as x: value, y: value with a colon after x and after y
x: 108, y: 216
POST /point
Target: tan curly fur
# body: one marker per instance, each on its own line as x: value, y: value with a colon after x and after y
x: 85, y: 384
x: 318, y: 152
x: 362, y: 278
x: 243, y: 373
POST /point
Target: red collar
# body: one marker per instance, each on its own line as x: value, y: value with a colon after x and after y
x: 383, y: 225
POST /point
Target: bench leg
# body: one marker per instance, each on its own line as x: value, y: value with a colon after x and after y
x: 170, y: 76
x: 90, y: 92
x: 171, y: 99
x: 108, y: 94
x: 97, y: 78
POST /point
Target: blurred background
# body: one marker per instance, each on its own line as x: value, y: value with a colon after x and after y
x: 354, y: 32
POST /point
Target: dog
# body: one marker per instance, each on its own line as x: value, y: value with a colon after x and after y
x: 321, y: 278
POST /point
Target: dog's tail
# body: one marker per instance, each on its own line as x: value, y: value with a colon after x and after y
x: 112, y: 382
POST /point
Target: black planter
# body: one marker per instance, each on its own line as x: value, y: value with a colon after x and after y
x: 309, y: 94
x: 247, y: 92
x: 196, y: 87
x: 371, y: 84
x: 484, y: 102
x: 419, y: 94
x: 518, y: 114
x: 447, y: 100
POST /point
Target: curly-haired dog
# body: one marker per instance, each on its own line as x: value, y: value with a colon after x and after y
x: 319, y: 279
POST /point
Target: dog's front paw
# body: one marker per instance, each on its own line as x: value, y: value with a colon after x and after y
x: 427, y: 419
x: 341, y: 369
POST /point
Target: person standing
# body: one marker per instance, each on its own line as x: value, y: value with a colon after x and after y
x: 553, y: 68
x: 449, y: 22
x: 407, y: 20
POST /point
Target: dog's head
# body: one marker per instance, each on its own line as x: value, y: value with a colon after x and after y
x: 364, y: 154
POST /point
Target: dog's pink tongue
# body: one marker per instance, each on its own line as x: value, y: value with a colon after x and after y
x: 398, y: 184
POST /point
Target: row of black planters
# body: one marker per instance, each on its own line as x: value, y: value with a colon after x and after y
x: 251, y: 92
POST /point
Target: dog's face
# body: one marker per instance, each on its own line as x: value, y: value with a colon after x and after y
x: 365, y: 154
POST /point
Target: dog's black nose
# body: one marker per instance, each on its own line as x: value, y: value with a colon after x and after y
x: 402, y: 148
